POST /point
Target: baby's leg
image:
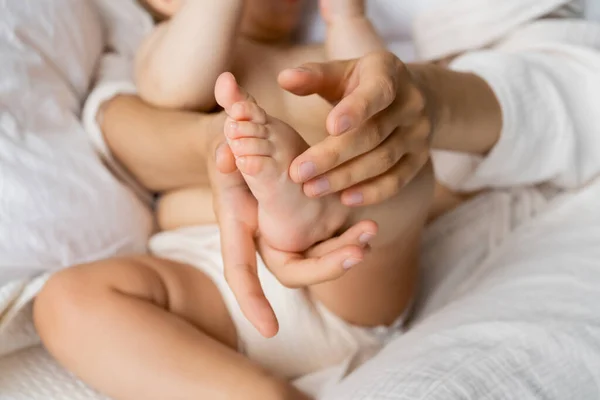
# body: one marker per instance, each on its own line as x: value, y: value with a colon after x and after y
x: 350, y: 34
x: 384, y: 286
x: 264, y: 148
x: 379, y: 291
x: 146, y: 328
x: 178, y: 65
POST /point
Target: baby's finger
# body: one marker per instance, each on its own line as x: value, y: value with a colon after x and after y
x: 295, y: 271
x: 360, y: 234
x: 387, y: 185
x: 360, y: 169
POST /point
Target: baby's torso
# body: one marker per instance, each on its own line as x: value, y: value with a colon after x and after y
x: 256, y: 67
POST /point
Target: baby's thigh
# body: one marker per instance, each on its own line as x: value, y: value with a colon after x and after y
x: 76, y: 293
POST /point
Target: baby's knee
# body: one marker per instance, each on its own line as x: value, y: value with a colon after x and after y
x: 56, y: 307
x: 71, y: 297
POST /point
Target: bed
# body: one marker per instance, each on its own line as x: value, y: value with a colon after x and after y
x: 542, y: 342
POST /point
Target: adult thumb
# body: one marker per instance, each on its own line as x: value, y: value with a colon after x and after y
x: 224, y: 159
x: 330, y: 80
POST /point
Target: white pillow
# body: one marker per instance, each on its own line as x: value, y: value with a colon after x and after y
x: 58, y: 204
x: 593, y: 10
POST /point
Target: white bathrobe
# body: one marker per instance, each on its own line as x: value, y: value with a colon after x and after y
x: 511, y: 279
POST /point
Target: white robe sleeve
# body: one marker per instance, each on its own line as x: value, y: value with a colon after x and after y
x: 549, y: 90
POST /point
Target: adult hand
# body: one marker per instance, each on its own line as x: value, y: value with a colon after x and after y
x: 237, y: 213
x: 380, y: 128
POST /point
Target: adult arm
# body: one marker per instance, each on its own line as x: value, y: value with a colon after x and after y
x: 548, y: 90
x: 528, y: 106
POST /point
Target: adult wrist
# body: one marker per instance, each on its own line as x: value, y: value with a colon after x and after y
x: 425, y: 76
x: 466, y: 115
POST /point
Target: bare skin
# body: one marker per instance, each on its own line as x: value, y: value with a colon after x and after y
x: 167, y: 323
x: 199, y: 339
x: 265, y: 147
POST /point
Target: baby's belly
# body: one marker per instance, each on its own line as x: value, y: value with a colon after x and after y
x: 186, y: 207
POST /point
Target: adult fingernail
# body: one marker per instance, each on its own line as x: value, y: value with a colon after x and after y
x: 307, y: 170
x: 350, y: 263
x: 320, y: 187
x: 355, y: 199
x: 302, y: 69
x: 366, y: 238
x: 343, y: 125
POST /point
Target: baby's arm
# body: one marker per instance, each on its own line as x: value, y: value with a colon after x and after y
x: 350, y: 34
x: 178, y: 65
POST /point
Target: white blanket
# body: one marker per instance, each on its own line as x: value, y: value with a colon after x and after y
x: 59, y: 205
x: 52, y: 187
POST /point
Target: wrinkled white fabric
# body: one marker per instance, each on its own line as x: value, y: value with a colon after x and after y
x: 545, y: 76
x: 509, y: 317
x: 58, y: 204
x: 513, y: 288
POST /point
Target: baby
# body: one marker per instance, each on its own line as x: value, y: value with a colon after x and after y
x: 177, y: 323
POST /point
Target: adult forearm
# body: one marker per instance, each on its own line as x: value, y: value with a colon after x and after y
x: 162, y: 149
x: 466, y: 113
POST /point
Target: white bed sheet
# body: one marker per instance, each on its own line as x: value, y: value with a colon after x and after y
x: 550, y: 350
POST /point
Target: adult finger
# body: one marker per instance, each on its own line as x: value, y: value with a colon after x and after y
x: 225, y: 160
x: 387, y: 185
x: 329, y: 80
x: 296, y: 271
x: 375, y: 81
x: 236, y: 212
x: 360, y: 234
x: 362, y: 87
x: 334, y: 151
x: 364, y: 166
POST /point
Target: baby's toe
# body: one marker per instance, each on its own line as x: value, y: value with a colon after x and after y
x: 260, y: 167
x: 228, y: 92
x: 245, y: 129
x: 252, y: 147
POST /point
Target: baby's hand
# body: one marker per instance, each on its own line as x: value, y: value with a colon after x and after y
x: 334, y: 9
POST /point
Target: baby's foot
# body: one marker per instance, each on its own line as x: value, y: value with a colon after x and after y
x: 264, y: 148
x: 332, y: 10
